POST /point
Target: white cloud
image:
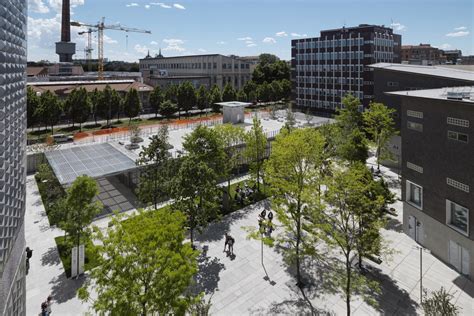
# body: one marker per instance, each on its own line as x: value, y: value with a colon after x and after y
x: 179, y: 6
x: 398, y: 26
x: 109, y: 40
x: 133, y: 4
x: 298, y: 35
x: 458, y: 34
x: 57, y: 4
x: 38, y: 6
x: 160, y: 4
x: 221, y: 43
x: 248, y: 42
x: 445, y: 46
x: 153, y: 43
x: 281, y: 34
x: 202, y: 50
x: 461, y: 28
x: 251, y: 45
x: 246, y: 38
x: 269, y: 40
x: 174, y: 44
x: 147, y: 6
x: 141, y: 49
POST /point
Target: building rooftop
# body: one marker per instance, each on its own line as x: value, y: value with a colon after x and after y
x: 457, y: 94
x: 436, y: 71
x: 234, y: 104
x: 65, y: 87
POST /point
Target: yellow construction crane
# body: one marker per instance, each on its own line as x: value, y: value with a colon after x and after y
x: 100, y: 27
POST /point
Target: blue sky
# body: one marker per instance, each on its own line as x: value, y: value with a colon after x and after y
x: 245, y: 27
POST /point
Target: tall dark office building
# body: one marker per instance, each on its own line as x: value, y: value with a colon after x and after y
x: 13, y: 17
x: 326, y: 68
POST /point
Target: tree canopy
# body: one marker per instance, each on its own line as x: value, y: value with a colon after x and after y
x: 132, y: 104
x: 186, y: 96
x: 156, y: 98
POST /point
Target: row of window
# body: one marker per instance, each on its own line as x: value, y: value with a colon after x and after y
x: 323, y: 80
x: 327, y: 92
x: 331, y: 55
x: 199, y: 65
x: 236, y: 66
x: 457, y: 216
x: 318, y: 104
x: 319, y: 43
x: 330, y: 67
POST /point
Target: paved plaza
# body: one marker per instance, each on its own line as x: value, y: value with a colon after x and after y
x: 237, y: 284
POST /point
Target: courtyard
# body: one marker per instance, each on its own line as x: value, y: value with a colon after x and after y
x: 240, y: 285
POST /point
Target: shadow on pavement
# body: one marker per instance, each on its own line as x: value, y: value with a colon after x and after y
x: 391, y: 299
x: 464, y: 285
x: 207, y: 278
x: 216, y: 230
x: 394, y: 224
x: 64, y: 289
x: 50, y: 257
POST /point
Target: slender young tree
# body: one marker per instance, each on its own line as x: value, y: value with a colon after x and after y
x: 186, y: 96
x: 33, y: 103
x: 292, y: 174
x: 79, y: 106
x: 439, y: 303
x: 156, y: 98
x: 95, y: 102
x: 155, y: 166
x: 379, y: 125
x: 349, y: 203
x: 109, y: 104
x: 255, y: 150
x: 202, y: 98
x: 229, y: 93
x: 145, y: 266
x: 215, y: 97
x: 132, y: 104
x: 241, y: 96
x: 232, y: 136
x: 168, y: 109
x: 50, y: 109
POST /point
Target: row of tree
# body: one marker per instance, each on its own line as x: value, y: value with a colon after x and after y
x: 47, y: 109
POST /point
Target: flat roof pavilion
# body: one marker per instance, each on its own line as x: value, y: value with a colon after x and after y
x: 96, y: 161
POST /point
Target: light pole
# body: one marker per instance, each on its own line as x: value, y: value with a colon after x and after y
x: 421, y: 249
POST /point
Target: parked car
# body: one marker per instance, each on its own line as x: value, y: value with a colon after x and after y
x: 62, y: 138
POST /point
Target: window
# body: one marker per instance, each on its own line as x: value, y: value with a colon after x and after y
x: 414, y: 167
x: 457, y: 122
x: 457, y: 217
x: 416, y: 114
x: 415, y: 126
x: 460, y: 137
x: 414, y: 194
x: 458, y: 185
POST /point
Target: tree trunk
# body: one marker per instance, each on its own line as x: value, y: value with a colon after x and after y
x: 298, y: 240
x: 348, y: 285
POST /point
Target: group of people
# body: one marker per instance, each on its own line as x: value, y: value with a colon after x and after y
x: 241, y: 194
x: 265, y: 222
x: 46, y: 306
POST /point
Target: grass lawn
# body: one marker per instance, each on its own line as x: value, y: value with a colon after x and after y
x: 64, y: 249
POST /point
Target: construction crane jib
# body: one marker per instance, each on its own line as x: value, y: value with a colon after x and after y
x: 100, y: 27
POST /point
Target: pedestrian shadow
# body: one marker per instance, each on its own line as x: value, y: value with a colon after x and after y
x: 50, y: 257
x: 394, y: 224
x: 215, y: 231
x: 64, y: 289
x: 207, y: 278
x: 391, y: 299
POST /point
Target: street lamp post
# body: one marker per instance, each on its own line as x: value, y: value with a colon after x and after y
x: 421, y: 249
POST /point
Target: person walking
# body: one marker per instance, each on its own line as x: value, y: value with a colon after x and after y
x: 49, y: 302
x: 44, y: 309
x: 29, y: 254
x: 226, y: 241
x: 230, y: 243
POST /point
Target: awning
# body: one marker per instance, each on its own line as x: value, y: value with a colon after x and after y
x: 96, y: 161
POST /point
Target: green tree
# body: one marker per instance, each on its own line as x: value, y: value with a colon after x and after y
x: 292, y: 174
x: 109, y: 104
x: 202, y: 98
x: 186, y: 96
x: 270, y: 68
x: 32, y: 105
x: 50, y: 109
x: 132, y: 104
x: 348, y: 204
x: 171, y: 93
x: 156, y: 98
x: 290, y: 118
x: 276, y: 91
x: 204, y: 144
x: 264, y: 92
x: 216, y: 97
x: 250, y: 86
x: 255, y: 150
x: 195, y: 192
x: 79, y: 106
x: 439, y: 303
x: 379, y: 125
x: 168, y: 109
x: 95, y: 101
x: 285, y: 89
x: 145, y: 266
x: 79, y: 209
x: 155, y: 169
x: 229, y: 93
x: 241, y: 96
x: 231, y: 136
